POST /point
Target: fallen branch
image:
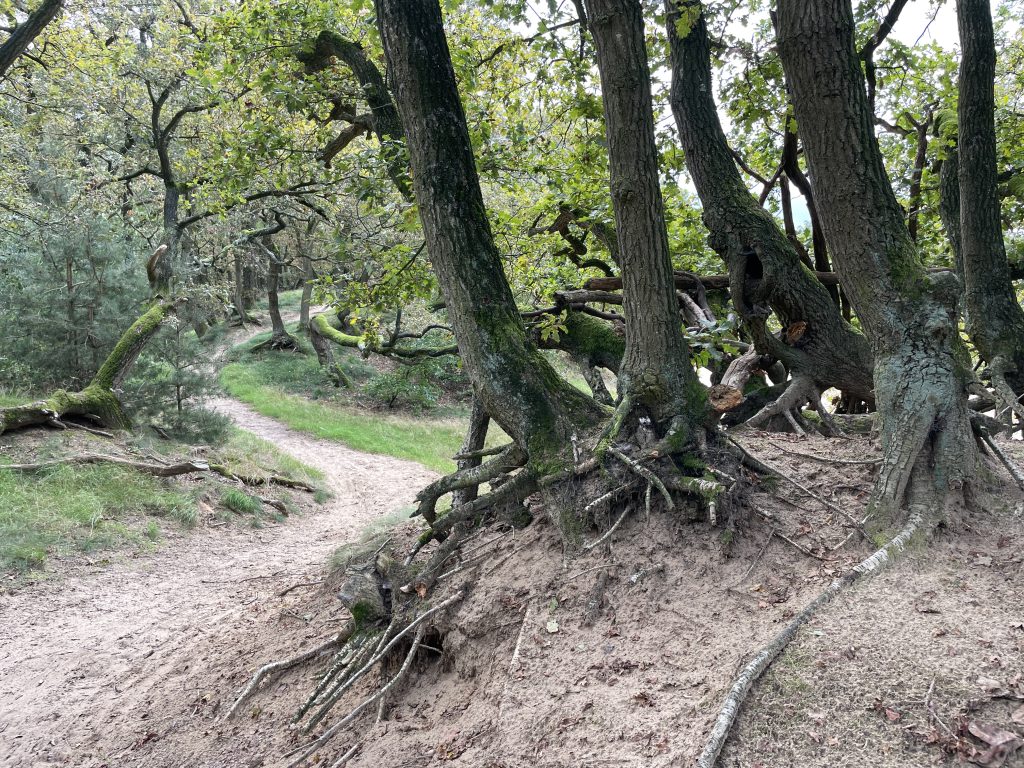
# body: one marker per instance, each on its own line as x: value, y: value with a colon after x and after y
x: 157, y: 470
x: 288, y: 482
x: 166, y: 470
x: 301, y: 584
x: 757, y: 666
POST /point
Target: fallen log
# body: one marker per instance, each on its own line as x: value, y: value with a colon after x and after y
x: 162, y: 470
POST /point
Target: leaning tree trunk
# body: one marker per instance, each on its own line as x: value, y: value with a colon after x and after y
x: 765, y: 270
x: 995, y: 321
x: 99, y: 400
x: 921, y: 367
x: 656, y: 372
x: 514, y: 382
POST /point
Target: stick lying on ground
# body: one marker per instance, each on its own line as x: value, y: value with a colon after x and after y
x: 160, y: 470
x: 757, y: 666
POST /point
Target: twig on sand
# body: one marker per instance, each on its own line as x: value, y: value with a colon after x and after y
x: 757, y: 666
x: 301, y: 584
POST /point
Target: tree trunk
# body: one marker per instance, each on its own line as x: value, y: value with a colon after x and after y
x: 995, y: 320
x: 921, y: 368
x: 476, y: 436
x: 514, y: 382
x: 23, y: 35
x: 656, y: 372
x: 765, y: 270
x: 279, y: 336
x: 308, y: 276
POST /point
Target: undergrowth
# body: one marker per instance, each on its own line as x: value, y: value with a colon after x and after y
x: 81, y: 509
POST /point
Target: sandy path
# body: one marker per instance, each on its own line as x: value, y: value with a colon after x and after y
x: 90, y: 665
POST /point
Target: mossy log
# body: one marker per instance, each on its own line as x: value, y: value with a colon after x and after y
x: 98, y: 400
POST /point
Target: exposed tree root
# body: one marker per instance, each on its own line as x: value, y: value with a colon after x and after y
x: 280, y: 342
x: 352, y: 665
x: 802, y: 390
x: 762, y: 466
x: 756, y: 667
x: 276, y: 667
x: 1006, y: 461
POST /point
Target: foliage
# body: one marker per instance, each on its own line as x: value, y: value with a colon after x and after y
x: 169, y: 384
x: 402, y: 388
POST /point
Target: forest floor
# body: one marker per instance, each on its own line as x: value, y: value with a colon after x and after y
x: 133, y: 664
x: 96, y: 663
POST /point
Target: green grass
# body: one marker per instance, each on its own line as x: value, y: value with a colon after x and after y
x: 248, y: 455
x: 80, y: 509
x: 290, y: 299
x: 431, y: 442
x: 8, y: 399
x: 241, y: 502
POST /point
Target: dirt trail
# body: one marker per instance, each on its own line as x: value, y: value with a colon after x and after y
x: 88, y: 663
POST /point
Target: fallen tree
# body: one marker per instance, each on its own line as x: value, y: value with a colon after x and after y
x: 99, y: 400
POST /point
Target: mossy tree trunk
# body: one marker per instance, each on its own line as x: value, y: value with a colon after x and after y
x: 921, y: 367
x: 765, y: 270
x: 656, y: 372
x: 514, y: 382
x: 99, y: 399
x: 995, y: 320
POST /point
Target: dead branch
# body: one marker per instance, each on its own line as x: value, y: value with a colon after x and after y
x: 157, y: 470
x: 167, y: 470
x: 301, y: 584
x: 757, y: 666
x: 288, y: 482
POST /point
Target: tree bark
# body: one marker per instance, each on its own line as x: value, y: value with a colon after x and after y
x: 514, y: 382
x: 765, y: 270
x: 921, y: 368
x: 23, y: 35
x: 279, y: 336
x: 656, y: 372
x: 308, y: 276
x: 995, y: 321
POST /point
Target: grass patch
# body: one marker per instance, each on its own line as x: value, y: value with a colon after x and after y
x: 297, y: 372
x: 79, y: 509
x: 9, y: 399
x: 431, y: 442
x: 250, y: 456
x: 241, y: 502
